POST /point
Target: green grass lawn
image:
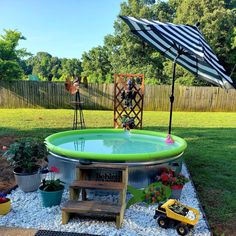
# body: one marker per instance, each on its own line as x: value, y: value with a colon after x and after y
x: 210, y: 156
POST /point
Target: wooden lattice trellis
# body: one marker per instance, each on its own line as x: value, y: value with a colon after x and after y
x: 120, y: 106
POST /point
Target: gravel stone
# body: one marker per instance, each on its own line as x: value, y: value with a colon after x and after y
x: 28, y: 212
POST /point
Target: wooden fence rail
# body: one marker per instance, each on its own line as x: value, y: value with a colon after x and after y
x: 34, y: 94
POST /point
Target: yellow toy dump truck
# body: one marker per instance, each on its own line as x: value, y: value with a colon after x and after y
x: 175, y: 214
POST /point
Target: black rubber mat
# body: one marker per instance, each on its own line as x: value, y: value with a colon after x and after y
x: 58, y: 233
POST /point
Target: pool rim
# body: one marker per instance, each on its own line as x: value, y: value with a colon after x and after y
x: 162, y: 155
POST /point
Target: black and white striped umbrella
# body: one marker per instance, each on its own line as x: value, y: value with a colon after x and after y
x: 186, y: 46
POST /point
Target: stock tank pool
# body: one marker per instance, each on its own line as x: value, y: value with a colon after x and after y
x: 143, y: 151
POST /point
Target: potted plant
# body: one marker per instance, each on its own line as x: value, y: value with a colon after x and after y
x: 176, y: 181
x: 25, y: 156
x: 51, y: 189
x: 5, y: 204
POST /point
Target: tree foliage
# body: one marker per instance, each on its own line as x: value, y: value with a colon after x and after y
x: 140, y: 58
x: 71, y: 67
x: 127, y: 53
x: 10, y: 56
x: 123, y: 52
x: 217, y: 23
x: 51, y: 68
x: 96, y: 65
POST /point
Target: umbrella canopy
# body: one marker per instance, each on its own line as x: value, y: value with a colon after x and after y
x: 186, y: 46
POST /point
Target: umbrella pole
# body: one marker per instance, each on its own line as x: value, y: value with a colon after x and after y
x: 172, y: 98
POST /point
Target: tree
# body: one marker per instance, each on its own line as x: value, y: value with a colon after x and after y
x: 129, y: 54
x: 41, y: 65
x: 55, y: 66
x: 96, y: 65
x: 51, y: 68
x: 217, y: 24
x: 71, y: 67
x: 10, y: 56
x: 45, y: 66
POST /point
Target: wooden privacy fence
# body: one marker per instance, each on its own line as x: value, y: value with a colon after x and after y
x: 35, y: 94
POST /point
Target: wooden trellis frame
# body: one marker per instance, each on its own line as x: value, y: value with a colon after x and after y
x: 120, y: 85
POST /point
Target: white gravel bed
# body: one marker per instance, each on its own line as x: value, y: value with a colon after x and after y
x: 27, y: 212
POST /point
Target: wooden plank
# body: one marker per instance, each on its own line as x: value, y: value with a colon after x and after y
x: 65, y: 217
x: 122, y: 199
x: 91, y: 207
x: 102, y: 166
x: 74, y: 193
x: 120, y: 217
x: 88, y: 184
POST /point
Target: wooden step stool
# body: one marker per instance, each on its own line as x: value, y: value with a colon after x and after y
x: 86, y: 178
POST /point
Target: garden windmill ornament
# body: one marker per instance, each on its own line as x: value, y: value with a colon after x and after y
x: 184, y: 45
x: 73, y: 88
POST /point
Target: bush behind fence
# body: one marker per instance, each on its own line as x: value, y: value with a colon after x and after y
x: 35, y: 94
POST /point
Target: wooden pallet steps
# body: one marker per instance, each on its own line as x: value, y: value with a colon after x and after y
x: 85, y: 180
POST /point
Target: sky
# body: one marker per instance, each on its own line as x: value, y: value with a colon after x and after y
x: 63, y: 28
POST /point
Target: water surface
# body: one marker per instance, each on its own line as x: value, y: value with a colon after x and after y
x: 114, y: 143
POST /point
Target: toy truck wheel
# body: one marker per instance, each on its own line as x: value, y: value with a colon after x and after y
x: 163, y: 222
x: 182, y: 229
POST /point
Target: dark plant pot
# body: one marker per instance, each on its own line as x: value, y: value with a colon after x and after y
x: 51, y: 198
x: 27, y: 182
x: 176, y: 191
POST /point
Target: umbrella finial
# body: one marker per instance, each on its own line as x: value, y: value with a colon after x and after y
x: 197, y: 24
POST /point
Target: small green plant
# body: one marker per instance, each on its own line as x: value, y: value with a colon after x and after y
x: 26, y: 154
x: 153, y: 193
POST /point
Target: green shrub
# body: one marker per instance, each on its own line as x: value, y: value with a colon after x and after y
x: 153, y: 193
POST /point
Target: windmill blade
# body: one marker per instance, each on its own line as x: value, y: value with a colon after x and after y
x: 71, y: 87
x: 68, y: 85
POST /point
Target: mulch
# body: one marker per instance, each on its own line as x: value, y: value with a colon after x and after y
x: 7, y: 180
